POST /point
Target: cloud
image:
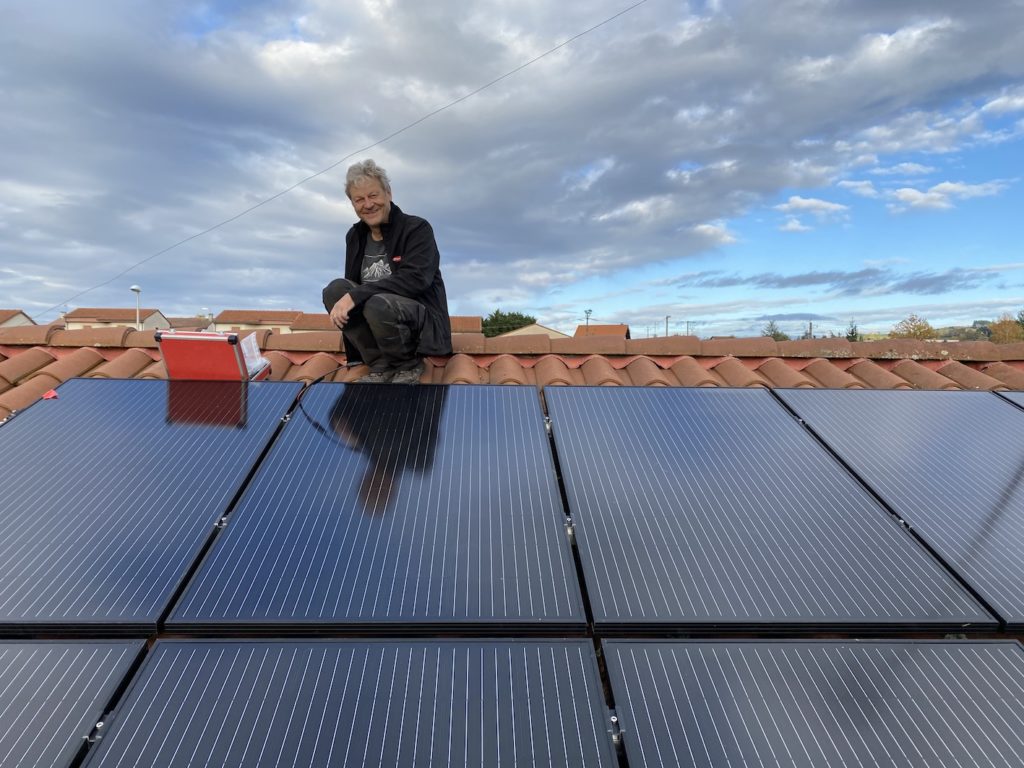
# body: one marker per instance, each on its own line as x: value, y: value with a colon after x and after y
x: 793, y: 224
x: 904, y: 169
x: 797, y: 316
x: 860, y: 188
x: 715, y: 233
x: 942, y: 196
x: 820, y: 208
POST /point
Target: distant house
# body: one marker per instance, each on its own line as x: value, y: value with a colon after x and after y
x: 12, y: 317
x: 535, y: 328
x: 109, y: 317
x: 194, y: 323
x: 277, y: 320
x: 618, y: 331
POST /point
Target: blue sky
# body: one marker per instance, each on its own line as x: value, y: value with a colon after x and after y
x: 722, y: 163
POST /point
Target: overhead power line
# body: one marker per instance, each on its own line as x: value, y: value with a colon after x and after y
x: 349, y: 156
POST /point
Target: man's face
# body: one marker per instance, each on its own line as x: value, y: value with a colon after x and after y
x: 372, y: 204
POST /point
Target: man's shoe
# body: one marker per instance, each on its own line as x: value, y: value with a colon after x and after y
x: 411, y: 376
x: 376, y: 377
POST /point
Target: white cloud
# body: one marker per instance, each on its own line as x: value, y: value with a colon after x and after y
x: 715, y: 233
x: 793, y: 224
x: 1010, y: 101
x: 648, y: 209
x: 904, y: 169
x: 861, y: 188
x: 942, y: 196
x: 820, y: 208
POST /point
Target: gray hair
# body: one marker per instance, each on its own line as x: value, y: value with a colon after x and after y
x: 367, y: 169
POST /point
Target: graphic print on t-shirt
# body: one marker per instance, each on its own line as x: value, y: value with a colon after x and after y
x: 375, y: 261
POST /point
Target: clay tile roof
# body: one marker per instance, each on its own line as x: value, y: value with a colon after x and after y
x: 589, y: 345
x: 78, y: 363
x: 17, y: 367
x: 258, y: 316
x: 91, y: 337
x: 1012, y: 377
x: 921, y: 377
x: 782, y: 375
x: 644, y: 372
x: 318, y: 365
x: 969, y: 378
x: 736, y: 374
x: 307, y: 341
x: 620, y: 331
x: 36, y: 335
x: 535, y: 344
x: 279, y: 365
x: 507, y: 370
x: 319, y: 321
x: 145, y: 339
x: 832, y: 377
x: 552, y: 371
x: 664, y: 345
x: 877, y: 377
x: 467, y: 324
x: 837, y: 347
x: 125, y: 366
x: 469, y: 343
x: 107, y: 314
x: 7, y: 314
x: 461, y: 370
x: 690, y: 373
x: 195, y: 323
x: 761, y: 346
x: 598, y: 372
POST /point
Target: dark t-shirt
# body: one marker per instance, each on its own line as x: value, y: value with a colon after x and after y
x: 375, y: 262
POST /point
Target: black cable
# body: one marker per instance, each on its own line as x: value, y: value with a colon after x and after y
x: 338, y: 162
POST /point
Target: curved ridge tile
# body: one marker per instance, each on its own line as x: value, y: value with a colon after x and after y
x: 552, y: 371
x: 736, y: 374
x: 598, y: 372
x: 125, y: 366
x: 644, y: 372
x: 1007, y: 374
x: 968, y: 377
x: 690, y: 373
x: 18, y: 366
x: 461, y: 370
x: 922, y: 377
x: 876, y: 377
x: 830, y: 376
x: 506, y: 370
x: 782, y: 375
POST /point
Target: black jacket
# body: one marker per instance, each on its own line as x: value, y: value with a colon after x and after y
x: 415, y: 274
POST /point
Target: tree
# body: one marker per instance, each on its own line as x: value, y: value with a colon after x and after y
x: 771, y: 328
x: 852, y: 334
x: 1020, y: 318
x: 1005, y: 330
x: 503, y: 322
x: 912, y: 327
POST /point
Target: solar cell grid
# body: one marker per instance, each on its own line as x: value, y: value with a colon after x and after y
x: 110, y: 492
x: 899, y: 703
x: 359, y: 704
x: 402, y: 508
x: 949, y: 463
x: 713, y: 507
x: 52, y: 695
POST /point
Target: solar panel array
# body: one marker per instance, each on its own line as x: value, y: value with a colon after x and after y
x: 52, y: 695
x: 347, y: 704
x: 707, y: 704
x: 423, y: 506
x: 708, y: 506
x: 437, y: 513
x: 110, y: 490
x: 950, y: 463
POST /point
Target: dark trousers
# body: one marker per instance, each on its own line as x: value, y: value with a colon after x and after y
x: 385, y: 330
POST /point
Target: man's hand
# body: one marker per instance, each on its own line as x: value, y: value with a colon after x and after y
x: 340, y: 311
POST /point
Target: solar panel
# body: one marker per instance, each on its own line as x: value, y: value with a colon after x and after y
x: 356, y: 703
x: 697, y: 508
x: 949, y: 463
x: 397, y: 509
x: 1014, y: 397
x: 53, y: 694
x: 110, y: 490
x: 711, y: 704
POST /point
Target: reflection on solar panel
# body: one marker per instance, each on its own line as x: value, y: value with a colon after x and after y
x: 53, y: 694
x: 1014, y: 397
x: 110, y: 491
x: 342, y: 704
x: 930, y: 704
x: 950, y: 463
x: 405, y: 506
x: 714, y: 506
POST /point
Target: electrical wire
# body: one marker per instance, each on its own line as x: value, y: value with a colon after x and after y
x: 350, y: 155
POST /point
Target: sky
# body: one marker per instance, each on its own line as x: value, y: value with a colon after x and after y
x: 720, y: 163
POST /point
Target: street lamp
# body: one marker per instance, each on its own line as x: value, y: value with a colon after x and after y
x: 137, y: 290
x: 666, y: 325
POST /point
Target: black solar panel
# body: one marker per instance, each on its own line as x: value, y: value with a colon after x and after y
x: 359, y: 704
x: 52, y: 696
x: 715, y: 507
x: 950, y: 463
x: 1014, y: 397
x: 110, y: 490
x: 711, y: 704
x: 397, y: 509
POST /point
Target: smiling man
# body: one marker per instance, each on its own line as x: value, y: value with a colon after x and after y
x: 391, y: 305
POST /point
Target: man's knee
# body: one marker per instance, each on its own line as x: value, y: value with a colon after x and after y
x: 335, y: 290
x: 378, y: 309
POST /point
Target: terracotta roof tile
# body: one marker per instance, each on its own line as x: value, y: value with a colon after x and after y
x: 903, y: 349
x: 17, y: 367
x: 125, y: 366
x: 597, y: 371
x: 831, y: 376
x: 108, y: 314
x: 736, y: 374
x: 664, y: 345
x: 144, y: 339
x: 279, y: 365
x: 551, y: 371
x: 261, y: 334
x: 78, y: 363
x: 761, y: 346
x: 469, y: 343
x: 1007, y: 374
x: 316, y: 321
x: 1013, y: 351
x: 307, y: 341
x: 782, y: 375
x: 7, y: 314
x: 875, y: 376
x: 644, y: 372
x: 834, y: 347
x: 507, y: 370
x: 589, y: 345
x: 461, y: 370
x: 25, y: 394
x: 922, y: 377
x: 980, y: 351
x: 535, y: 344
x: 467, y: 324
x: 690, y: 373
x: 317, y: 366
x: 156, y: 371
x: 258, y: 316
x: 968, y: 377
x: 91, y: 337
x: 595, y: 329
x: 35, y: 335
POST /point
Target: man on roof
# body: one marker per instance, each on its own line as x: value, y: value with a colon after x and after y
x: 391, y: 305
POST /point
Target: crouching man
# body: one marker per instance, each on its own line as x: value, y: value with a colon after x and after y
x: 391, y: 305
